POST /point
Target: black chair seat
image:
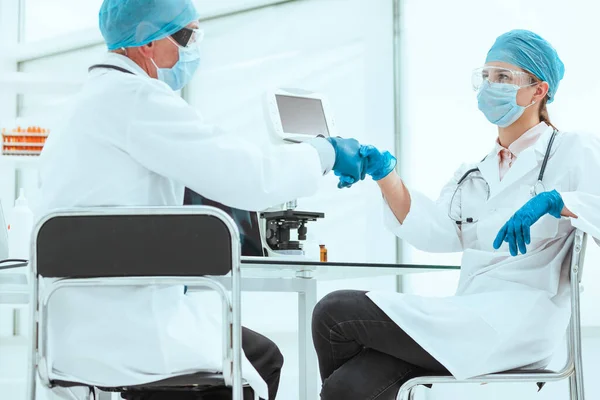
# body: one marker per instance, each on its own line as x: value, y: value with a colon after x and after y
x: 204, y: 382
x: 540, y: 385
x: 196, y: 381
x: 526, y: 371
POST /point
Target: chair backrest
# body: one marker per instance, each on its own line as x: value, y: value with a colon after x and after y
x: 134, y: 242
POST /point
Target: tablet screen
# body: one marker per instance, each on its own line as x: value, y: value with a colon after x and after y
x: 301, y: 115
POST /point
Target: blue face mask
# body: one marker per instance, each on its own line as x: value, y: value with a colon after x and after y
x: 182, y: 72
x: 498, y: 102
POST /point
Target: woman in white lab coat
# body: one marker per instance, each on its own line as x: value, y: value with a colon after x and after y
x: 511, y: 308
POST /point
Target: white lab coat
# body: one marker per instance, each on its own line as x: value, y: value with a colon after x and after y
x: 131, y: 141
x: 508, y: 312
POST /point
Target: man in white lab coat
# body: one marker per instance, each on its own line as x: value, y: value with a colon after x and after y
x: 130, y: 140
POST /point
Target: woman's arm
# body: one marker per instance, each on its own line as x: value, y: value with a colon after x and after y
x: 414, y: 217
x: 396, y: 195
x: 417, y: 219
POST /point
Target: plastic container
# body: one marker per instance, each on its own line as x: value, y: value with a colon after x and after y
x: 20, y: 225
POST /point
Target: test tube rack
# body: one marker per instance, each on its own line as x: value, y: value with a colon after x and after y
x: 24, y: 142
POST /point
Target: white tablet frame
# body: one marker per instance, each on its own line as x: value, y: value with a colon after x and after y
x: 274, y: 118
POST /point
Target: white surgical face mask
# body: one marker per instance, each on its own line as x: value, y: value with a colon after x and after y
x: 182, y: 72
x: 498, y: 102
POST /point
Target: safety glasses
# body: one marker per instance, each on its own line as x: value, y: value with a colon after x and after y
x: 501, y: 75
x: 187, y: 37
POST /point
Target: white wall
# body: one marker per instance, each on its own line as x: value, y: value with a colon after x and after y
x: 46, y: 19
x: 9, y: 35
x: 46, y: 107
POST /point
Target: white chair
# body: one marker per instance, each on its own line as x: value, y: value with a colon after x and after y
x: 138, y: 247
x: 573, y: 369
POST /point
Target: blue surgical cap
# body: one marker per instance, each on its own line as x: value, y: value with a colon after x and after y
x: 532, y: 53
x: 133, y: 23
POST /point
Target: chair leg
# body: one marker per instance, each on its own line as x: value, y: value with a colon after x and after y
x: 578, y: 384
x: 572, y: 387
x: 412, y: 393
x: 405, y: 393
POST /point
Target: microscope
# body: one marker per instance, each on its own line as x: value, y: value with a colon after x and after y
x: 278, y: 227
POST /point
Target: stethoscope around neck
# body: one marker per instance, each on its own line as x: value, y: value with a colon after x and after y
x: 537, y: 188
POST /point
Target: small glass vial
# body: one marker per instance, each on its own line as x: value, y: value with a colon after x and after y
x: 323, y: 253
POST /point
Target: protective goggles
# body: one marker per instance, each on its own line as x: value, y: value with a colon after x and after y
x: 187, y: 37
x: 501, y: 75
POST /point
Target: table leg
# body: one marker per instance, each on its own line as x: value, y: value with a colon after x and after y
x: 309, y: 382
x: 105, y: 396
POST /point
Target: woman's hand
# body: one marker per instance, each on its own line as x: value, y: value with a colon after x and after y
x: 379, y: 165
x: 516, y: 232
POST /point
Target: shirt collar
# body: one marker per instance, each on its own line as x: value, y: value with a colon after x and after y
x: 524, y: 141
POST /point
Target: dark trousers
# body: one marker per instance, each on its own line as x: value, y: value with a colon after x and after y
x: 262, y: 353
x: 363, y: 354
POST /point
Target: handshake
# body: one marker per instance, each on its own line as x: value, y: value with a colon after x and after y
x: 354, y: 161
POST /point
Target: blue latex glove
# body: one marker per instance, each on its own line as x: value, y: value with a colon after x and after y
x: 516, y: 232
x: 348, y: 165
x: 345, y: 181
x: 379, y: 165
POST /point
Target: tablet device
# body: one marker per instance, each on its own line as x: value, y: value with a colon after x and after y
x: 297, y: 115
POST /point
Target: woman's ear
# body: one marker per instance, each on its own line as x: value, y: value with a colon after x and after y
x: 541, y: 91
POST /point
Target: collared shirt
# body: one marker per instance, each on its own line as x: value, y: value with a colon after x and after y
x: 508, y: 156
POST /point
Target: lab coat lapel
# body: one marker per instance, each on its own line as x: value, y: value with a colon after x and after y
x: 528, y: 160
x: 490, y: 171
x: 525, y: 162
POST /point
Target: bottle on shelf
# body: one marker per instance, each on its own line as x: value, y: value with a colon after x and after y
x: 323, y: 253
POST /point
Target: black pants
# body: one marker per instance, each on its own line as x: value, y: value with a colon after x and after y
x: 262, y: 353
x: 363, y: 354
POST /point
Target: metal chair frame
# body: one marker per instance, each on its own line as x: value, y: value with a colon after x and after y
x: 231, y: 307
x: 573, y: 368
